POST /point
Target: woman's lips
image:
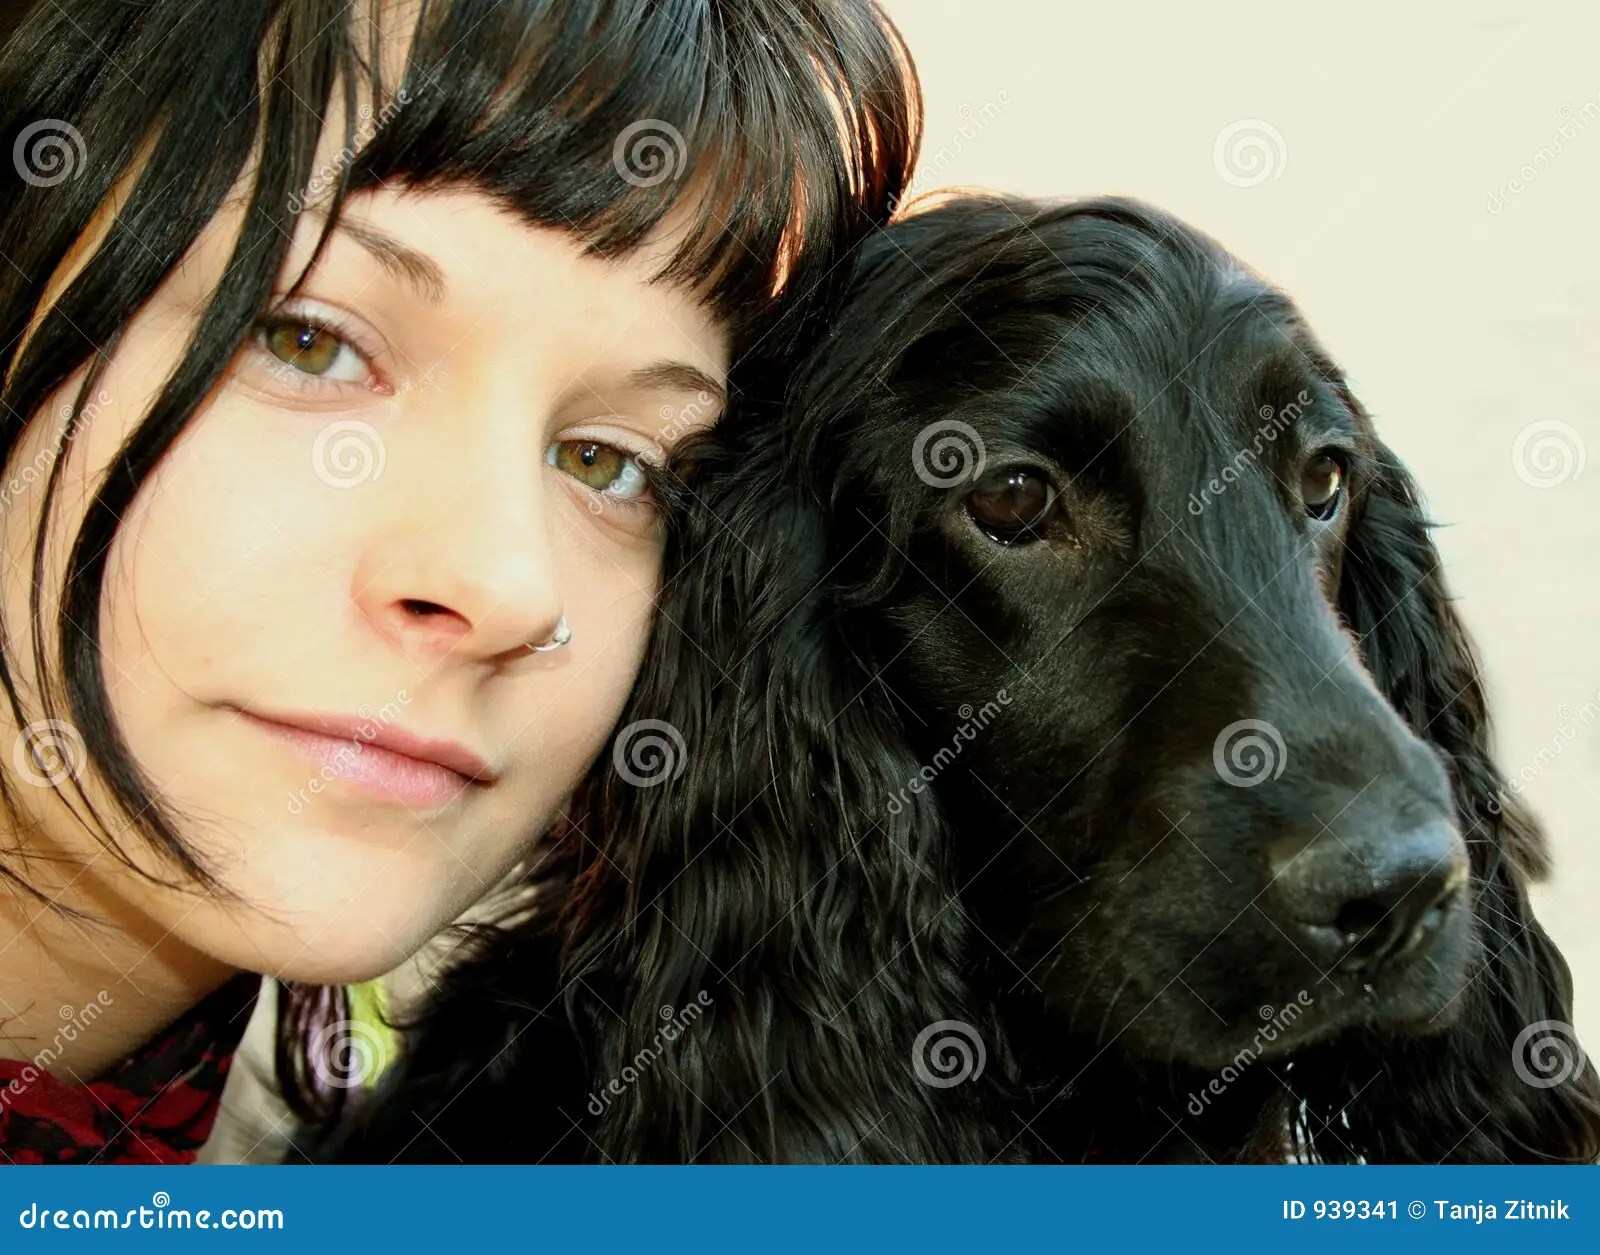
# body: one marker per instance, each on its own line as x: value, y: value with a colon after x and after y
x: 376, y: 771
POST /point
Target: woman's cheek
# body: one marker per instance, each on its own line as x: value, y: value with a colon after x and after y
x: 592, y: 693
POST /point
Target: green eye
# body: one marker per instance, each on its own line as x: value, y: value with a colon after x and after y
x: 601, y: 467
x: 313, y: 350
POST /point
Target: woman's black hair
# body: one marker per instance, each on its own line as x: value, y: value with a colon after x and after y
x: 785, y: 129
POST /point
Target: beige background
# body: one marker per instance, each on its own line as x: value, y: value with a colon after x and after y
x: 1397, y: 126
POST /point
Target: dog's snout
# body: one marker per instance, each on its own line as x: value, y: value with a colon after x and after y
x: 1355, y: 906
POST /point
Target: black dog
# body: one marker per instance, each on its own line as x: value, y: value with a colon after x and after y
x: 1074, y: 755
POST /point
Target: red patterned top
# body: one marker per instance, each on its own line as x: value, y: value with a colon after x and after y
x: 157, y: 1106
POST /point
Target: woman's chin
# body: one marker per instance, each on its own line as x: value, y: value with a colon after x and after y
x: 332, y: 912
x: 348, y: 969
x: 348, y: 952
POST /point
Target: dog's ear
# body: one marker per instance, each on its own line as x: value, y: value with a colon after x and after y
x: 766, y: 933
x: 1507, y: 1080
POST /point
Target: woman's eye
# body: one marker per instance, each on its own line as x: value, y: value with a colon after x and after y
x: 311, y: 349
x: 602, y: 467
x: 1322, y: 484
x: 1012, y: 504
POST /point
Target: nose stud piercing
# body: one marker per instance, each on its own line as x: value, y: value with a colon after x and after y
x: 558, y: 638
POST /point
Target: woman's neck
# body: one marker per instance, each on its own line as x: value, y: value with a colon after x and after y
x: 78, y: 995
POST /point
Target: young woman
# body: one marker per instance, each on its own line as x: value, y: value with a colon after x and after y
x: 340, y: 348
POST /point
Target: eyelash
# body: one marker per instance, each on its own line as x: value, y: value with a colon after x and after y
x: 289, y: 314
x: 644, y: 504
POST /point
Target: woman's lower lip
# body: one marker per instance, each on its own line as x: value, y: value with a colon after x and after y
x: 378, y: 772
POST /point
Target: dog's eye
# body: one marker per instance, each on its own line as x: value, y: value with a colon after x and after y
x: 1012, y: 503
x: 1322, y: 484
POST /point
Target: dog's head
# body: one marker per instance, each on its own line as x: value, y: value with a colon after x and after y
x: 1119, y: 487
x: 1074, y: 655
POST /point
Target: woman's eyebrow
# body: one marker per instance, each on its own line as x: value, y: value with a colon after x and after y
x: 677, y: 376
x: 417, y: 269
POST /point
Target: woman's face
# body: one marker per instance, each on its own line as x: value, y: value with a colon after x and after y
x: 413, y: 475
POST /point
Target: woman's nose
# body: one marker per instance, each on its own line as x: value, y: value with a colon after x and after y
x: 473, y: 574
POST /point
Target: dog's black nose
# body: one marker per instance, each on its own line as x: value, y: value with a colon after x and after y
x: 1355, y: 905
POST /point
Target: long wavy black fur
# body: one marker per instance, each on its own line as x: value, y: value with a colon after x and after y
x: 765, y: 880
